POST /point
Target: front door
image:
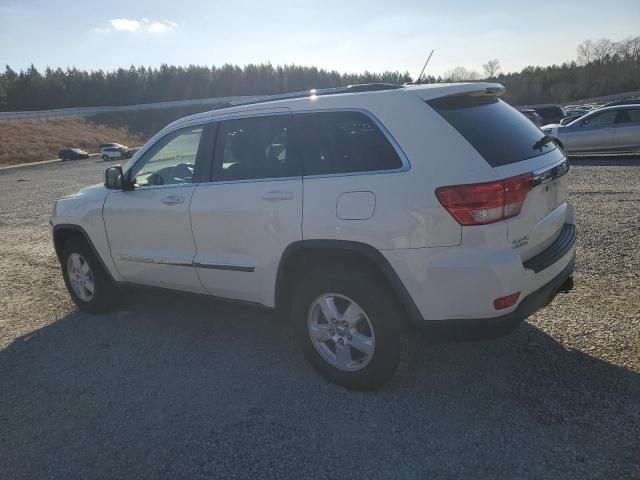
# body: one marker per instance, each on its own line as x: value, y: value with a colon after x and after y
x: 149, y: 228
x: 249, y: 213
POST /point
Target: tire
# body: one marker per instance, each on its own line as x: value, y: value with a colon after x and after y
x: 77, y: 253
x: 381, y: 324
x: 105, y: 158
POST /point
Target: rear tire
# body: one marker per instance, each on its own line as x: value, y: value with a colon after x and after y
x: 88, y: 283
x: 361, y: 348
x: 105, y: 158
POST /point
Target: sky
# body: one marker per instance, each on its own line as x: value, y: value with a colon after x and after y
x: 347, y: 35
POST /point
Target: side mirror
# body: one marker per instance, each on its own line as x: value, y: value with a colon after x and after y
x: 114, y: 179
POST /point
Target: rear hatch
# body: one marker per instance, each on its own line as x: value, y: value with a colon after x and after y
x: 514, y: 147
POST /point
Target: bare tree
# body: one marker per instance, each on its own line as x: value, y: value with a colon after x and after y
x: 491, y: 68
x: 461, y: 74
x: 585, y: 52
x: 628, y: 49
x: 603, y: 50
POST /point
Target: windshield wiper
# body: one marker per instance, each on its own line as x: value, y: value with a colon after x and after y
x: 542, y: 142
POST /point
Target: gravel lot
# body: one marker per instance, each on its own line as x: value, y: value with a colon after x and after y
x: 181, y: 387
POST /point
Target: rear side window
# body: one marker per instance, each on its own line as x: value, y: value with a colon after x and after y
x: 500, y: 133
x: 254, y: 148
x: 343, y: 142
x: 628, y: 116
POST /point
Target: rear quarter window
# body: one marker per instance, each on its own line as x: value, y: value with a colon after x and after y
x: 500, y: 133
x: 343, y: 142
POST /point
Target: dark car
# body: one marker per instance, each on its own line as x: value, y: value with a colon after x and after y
x: 550, y: 113
x: 532, y: 115
x: 72, y: 154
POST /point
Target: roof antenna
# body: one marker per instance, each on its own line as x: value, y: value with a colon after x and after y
x: 417, y: 80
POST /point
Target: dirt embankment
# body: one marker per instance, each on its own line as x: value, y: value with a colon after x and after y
x: 34, y: 140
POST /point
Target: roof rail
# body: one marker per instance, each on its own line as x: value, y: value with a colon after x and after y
x: 362, y: 87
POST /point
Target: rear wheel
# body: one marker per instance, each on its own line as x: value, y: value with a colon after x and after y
x: 349, y: 326
x: 105, y: 157
x: 87, y: 282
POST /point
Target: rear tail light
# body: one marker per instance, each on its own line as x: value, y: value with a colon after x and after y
x: 482, y: 203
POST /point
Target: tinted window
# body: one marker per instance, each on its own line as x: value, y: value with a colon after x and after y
x: 496, y: 130
x: 170, y: 161
x: 602, y: 118
x: 627, y: 116
x: 252, y: 148
x: 343, y: 142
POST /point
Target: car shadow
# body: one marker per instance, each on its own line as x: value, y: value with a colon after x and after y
x: 175, y: 386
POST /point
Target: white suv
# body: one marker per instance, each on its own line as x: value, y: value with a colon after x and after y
x: 113, y: 152
x: 351, y: 209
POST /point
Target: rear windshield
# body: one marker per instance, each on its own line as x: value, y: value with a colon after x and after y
x: 500, y: 133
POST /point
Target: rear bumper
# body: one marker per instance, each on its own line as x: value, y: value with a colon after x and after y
x: 483, y: 328
x: 458, y: 284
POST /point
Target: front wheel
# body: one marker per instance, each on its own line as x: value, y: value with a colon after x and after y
x: 87, y: 281
x: 349, y: 327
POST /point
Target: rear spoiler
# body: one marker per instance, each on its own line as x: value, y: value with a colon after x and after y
x: 474, y: 89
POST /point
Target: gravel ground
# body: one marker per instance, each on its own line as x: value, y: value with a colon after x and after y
x: 184, y: 387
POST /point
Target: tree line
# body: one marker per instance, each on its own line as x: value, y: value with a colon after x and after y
x: 32, y: 90
x: 601, y: 67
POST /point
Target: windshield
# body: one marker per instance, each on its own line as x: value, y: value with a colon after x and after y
x: 500, y: 133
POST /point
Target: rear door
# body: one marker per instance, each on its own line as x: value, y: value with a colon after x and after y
x: 511, y: 145
x: 251, y: 209
x: 593, y: 133
x: 627, y: 134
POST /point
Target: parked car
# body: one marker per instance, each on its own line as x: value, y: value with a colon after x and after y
x: 115, y: 151
x: 440, y: 207
x: 605, y: 130
x: 550, y: 113
x: 532, y: 115
x: 112, y: 153
x: 72, y: 154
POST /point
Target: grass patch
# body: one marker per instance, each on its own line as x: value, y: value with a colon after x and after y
x: 26, y: 141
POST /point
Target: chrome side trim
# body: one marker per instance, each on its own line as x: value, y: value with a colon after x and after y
x: 184, y: 263
x: 224, y: 266
x: 550, y: 173
x: 157, y: 261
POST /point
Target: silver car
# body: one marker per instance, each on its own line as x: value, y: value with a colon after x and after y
x: 606, y: 130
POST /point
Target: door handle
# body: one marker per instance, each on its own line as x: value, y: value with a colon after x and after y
x: 277, y: 195
x: 173, y: 199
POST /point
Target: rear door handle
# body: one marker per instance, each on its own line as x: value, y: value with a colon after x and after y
x: 277, y: 195
x: 173, y: 200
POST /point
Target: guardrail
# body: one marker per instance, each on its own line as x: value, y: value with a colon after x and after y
x: 88, y: 111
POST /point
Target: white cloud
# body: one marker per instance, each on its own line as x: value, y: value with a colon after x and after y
x: 142, y: 25
x: 125, y: 24
x: 158, y: 27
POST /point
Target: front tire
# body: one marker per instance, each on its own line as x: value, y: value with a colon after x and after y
x: 88, y: 283
x: 349, y: 326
